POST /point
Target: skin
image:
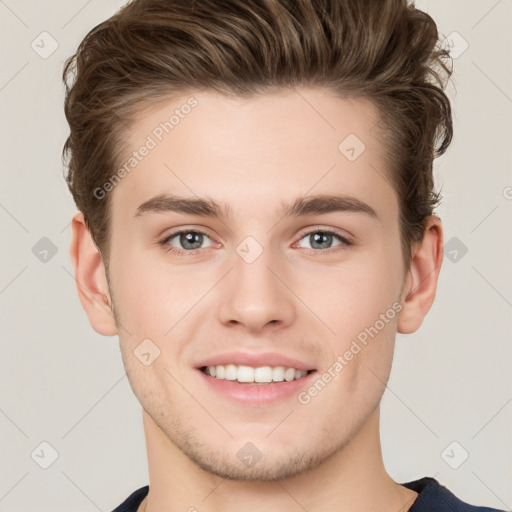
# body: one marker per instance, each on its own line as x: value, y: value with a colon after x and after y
x: 296, y: 299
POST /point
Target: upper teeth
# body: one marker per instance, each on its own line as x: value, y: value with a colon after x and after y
x: 259, y: 374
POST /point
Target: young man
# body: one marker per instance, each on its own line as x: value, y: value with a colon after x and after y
x: 254, y: 180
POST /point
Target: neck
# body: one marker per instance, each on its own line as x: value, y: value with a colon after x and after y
x: 353, y: 478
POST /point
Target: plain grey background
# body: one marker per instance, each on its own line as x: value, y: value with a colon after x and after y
x: 450, y: 392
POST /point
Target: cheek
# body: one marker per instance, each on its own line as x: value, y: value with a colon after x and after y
x: 359, y: 305
x: 350, y: 298
x: 152, y: 297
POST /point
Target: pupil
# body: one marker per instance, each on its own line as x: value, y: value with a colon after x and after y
x: 195, y: 239
x: 318, y: 237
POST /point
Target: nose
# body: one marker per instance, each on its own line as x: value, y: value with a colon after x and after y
x: 255, y: 295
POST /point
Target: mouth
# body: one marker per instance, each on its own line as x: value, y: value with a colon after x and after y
x: 255, y: 379
x: 240, y: 384
x: 257, y: 376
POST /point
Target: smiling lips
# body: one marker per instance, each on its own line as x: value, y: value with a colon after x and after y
x: 249, y: 374
x: 255, y: 368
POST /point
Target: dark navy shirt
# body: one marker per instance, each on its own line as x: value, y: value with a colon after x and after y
x: 432, y: 497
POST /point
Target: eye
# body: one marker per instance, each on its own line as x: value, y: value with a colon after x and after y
x: 322, y: 239
x: 190, y: 241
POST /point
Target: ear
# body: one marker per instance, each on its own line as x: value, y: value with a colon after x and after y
x: 421, y: 282
x: 90, y: 278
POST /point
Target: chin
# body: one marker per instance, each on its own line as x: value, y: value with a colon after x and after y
x: 259, y: 468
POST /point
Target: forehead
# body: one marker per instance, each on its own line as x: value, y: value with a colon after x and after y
x: 273, y: 147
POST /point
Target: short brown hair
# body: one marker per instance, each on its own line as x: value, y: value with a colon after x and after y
x: 386, y: 51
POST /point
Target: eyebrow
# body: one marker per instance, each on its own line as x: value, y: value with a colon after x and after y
x: 308, y: 205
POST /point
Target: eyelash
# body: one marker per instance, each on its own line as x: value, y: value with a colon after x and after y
x: 345, y: 242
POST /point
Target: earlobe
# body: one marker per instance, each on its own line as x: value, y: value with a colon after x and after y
x: 421, y: 281
x: 90, y: 278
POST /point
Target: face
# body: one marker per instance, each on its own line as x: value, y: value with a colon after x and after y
x: 255, y: 282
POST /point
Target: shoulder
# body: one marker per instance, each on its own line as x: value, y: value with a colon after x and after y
x: 432, y: 496
x: 131, y: 504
